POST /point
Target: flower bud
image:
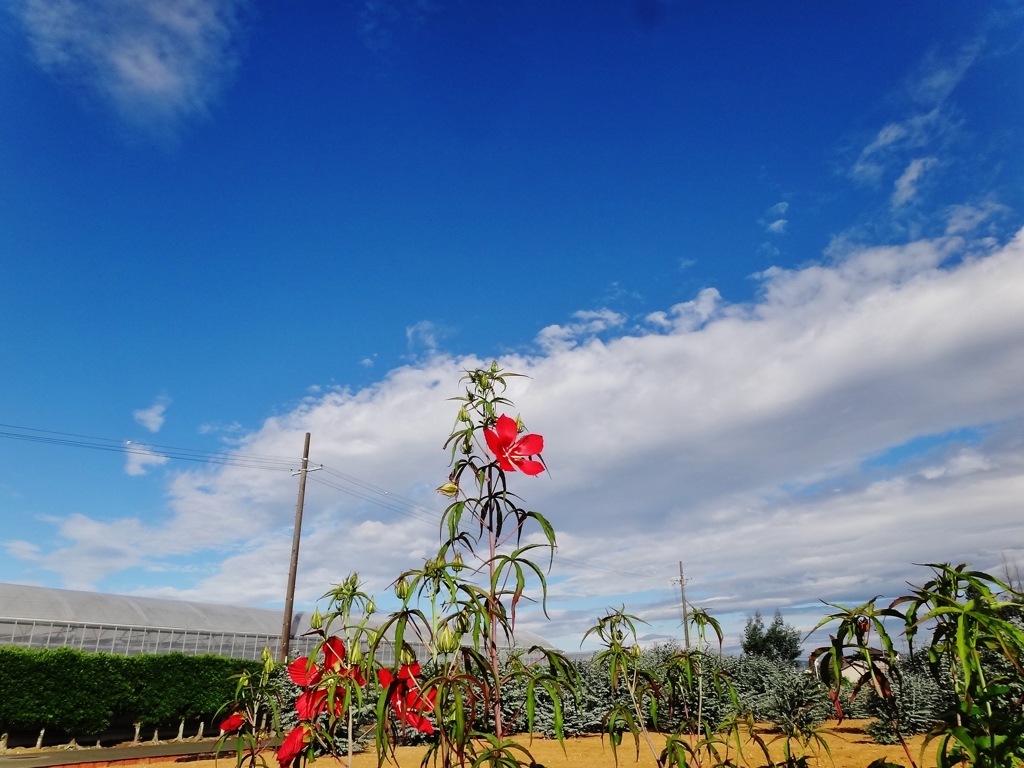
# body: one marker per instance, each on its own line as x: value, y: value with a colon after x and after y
x: 462, y: 623
x: 457, y: 562
x: 407, y: 657
x: 371, y: 606
x: 316, y: 621
x: 402, y: 588
x: 355, y: 653
x: 636, y: 651
x: 463, y: 415
x: 447, y: 641
x: 448, y: 489
x: 520, y: 427
x: 494, y: 366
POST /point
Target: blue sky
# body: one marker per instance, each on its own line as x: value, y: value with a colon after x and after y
x: 242, y: 211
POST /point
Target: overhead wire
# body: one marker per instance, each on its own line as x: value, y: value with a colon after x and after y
x: 138, y: 448
x: 342, y: 482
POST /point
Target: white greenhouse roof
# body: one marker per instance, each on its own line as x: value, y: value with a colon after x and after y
x: 65, y: 605
x: 43, y: 604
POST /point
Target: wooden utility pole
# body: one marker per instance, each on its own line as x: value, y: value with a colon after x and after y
x: 686, y: 614
x: 286, y: 628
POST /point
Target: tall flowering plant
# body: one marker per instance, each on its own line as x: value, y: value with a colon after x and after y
x: 252, y: 716
x: 332, y: 681
x: 462, y: 603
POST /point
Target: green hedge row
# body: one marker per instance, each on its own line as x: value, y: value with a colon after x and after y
x: 81, y: 693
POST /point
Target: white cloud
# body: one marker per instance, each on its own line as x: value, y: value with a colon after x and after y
x: 779, y: 209
x: 733, y: 437
x: 421, y: 335
x: 139, y: 459
x: 905, y: 188
x: 777, y: 227
x: 967, y: 218
x: 155, y: 61
x: 590, y: 322
x: 152, y: 418
x: 928, y: 90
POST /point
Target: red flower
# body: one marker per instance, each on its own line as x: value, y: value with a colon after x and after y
x: 293, y: 745
x: 334, y: 653
x: 304, y: 673
x: 407, y: 701
x: 232, y: 723
x: 510, y: 452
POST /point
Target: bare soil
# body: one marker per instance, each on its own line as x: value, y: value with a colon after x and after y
x: 851, y: 748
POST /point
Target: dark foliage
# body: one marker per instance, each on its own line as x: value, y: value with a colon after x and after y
x: 81, y: 693
x: 780, y: 642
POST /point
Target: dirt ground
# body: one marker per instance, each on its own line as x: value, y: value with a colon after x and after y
x: 851, y: 748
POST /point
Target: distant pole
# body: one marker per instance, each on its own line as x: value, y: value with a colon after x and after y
x: 286, y: 628
x: 686, y: 615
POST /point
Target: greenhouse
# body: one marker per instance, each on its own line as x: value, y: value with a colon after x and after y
x: 40, y: 617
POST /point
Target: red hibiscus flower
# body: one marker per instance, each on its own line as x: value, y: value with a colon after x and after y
x: 293, y: 745
x: 304, y: 673
x: 407, y: 700
x: 232, y: 723
x: 334, y: 661
x: 334, y: 653
x: 512, y: 453
x: 311, y: 703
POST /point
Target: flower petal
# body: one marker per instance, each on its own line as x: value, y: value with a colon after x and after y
x: 507, y: 430
x: 310, y: 704
x: 420, y: 723
x: 494, y: 442
x: 292, y: 746
x: 409, y: 671
x: 385, y: 677
x: 530, y: 467
x: 504, y: 464
x: 529, y: 445
x: 304, y: 673
x: 334, y: 653
x: 232, y: 723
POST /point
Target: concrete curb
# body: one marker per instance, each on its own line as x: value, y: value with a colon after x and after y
x: 99, y: 757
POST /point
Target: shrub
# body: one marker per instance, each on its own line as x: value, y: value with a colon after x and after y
x: 81, y: 693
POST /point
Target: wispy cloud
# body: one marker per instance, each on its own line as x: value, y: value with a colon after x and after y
x: 152, y: 418
x: 905, y: 187
x: 156, y: 62
x: 140, y: 459
x: 423, y: 335
x: 927, y: 90
x: 777, y: 227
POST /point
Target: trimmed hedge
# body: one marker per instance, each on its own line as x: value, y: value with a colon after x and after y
x: 81, y: 693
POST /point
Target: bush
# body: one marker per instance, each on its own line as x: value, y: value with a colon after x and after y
x: 81, y: 693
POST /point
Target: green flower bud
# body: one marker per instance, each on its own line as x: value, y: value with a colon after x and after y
x: 447, y: 641
x: 371, y: 606
x: 448, y: 489
x: 462, y: 623
x: 402, y: 588
x: 407, y: 656
x: 636, y: 652
x: 457, y: 562
x: 355, y: 653
x: 316, y: 621
x: 520, y: 427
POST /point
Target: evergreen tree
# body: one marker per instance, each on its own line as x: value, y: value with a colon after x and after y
x: 779, y: 642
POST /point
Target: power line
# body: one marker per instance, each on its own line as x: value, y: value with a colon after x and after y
x: 343, y: 483
x: 111, y: 445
